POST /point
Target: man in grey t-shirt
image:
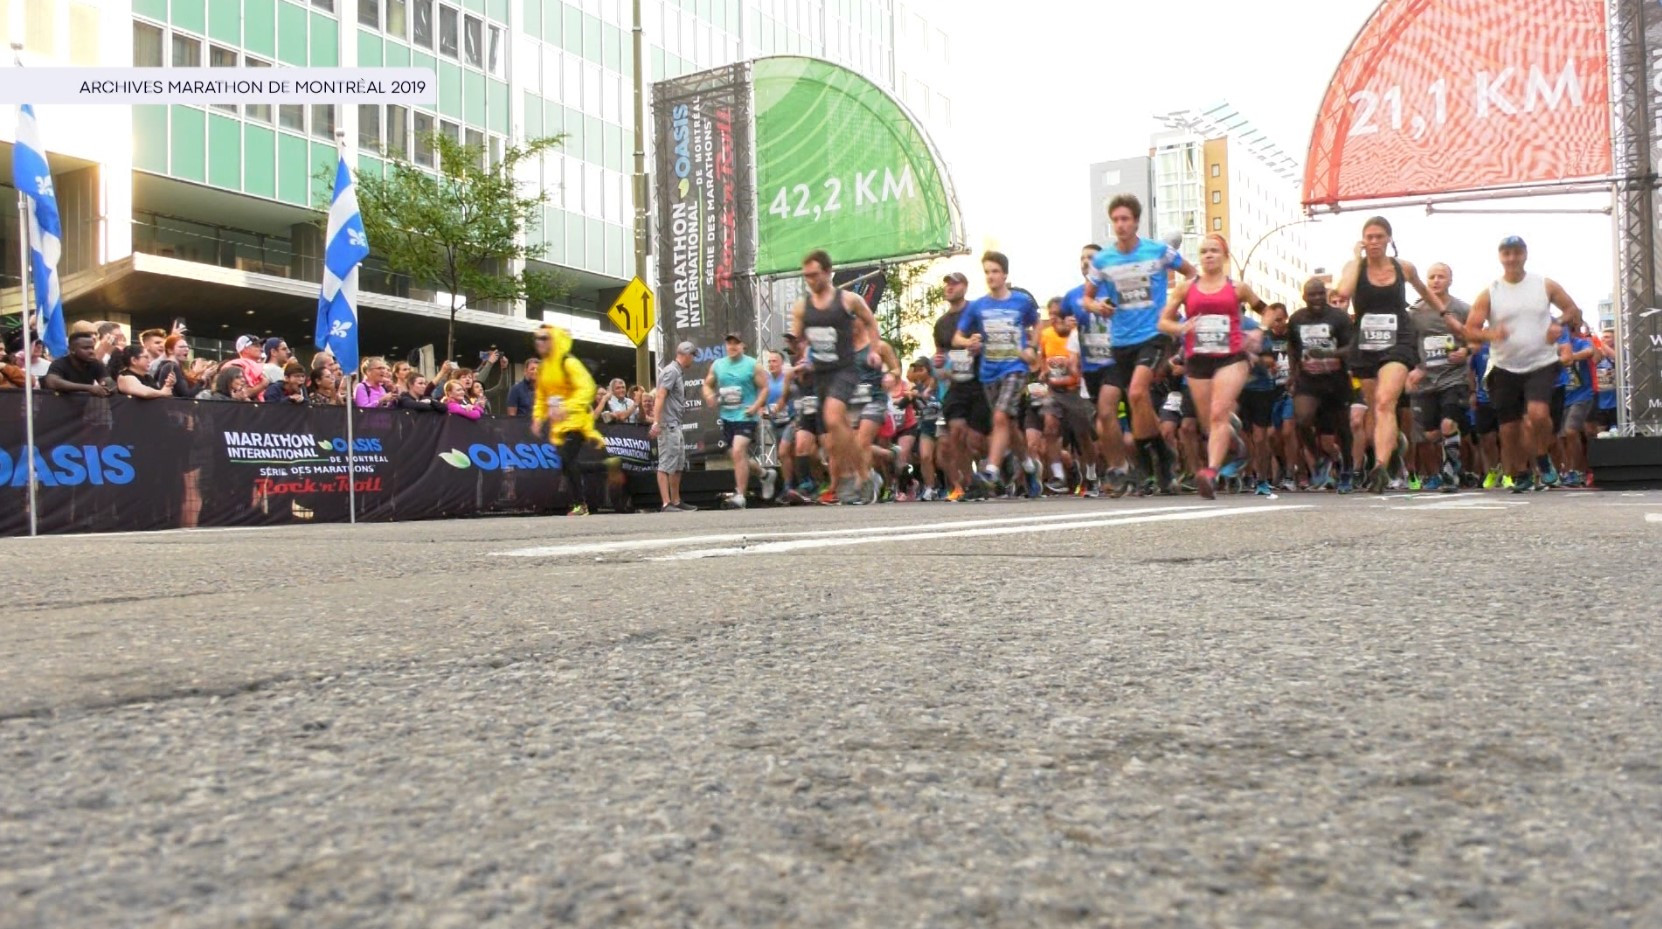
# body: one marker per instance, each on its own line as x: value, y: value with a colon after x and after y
x: 1442, y: 393
x: 668, y: 403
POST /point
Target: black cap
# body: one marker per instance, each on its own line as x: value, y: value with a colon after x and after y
x: 735, y: 337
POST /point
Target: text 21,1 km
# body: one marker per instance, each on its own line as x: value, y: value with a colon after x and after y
x: 867, y: 188
x: 1507, y: 92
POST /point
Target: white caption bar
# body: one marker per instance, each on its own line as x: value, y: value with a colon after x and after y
x: 217, y: 85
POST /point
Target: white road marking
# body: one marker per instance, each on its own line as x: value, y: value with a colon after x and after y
x: 630, y: 545
x: 1653, y: 517
x: 823, y: 541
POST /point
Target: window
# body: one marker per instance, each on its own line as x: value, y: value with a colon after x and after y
x: 1217, y: 170
x: 496, y: 150
x: 324, y: 5
x: 292, y: 116
x: 476, y: 140
x: 395, y: 18
x: 424, y: 140
x: 1217, y: 224
x: 473, y: 41
x: 1217, y: 196
x: 147, y: 45
x: 449, y: 25
x: 1110, y: 178
x: 259, y: 112
x: 450, y: 131
x: 323, y: 121
x: 422, y: 23
x: 187, y: 52
x: 221, y: 57
x: 369, y: 126
x: 369, y: 13
x: 398, y: 131
x: 493, y: 52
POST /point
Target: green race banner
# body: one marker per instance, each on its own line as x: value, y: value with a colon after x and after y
x: 841, y: 166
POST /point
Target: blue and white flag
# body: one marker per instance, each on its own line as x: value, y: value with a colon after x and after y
x: 33, y: 178
x: 346, y: 246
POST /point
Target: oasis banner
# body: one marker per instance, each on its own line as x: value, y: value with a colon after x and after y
x: 119, y: 464
x: 706, y: 222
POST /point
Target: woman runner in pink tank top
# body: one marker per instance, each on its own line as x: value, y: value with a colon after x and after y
x: 1216, y: 352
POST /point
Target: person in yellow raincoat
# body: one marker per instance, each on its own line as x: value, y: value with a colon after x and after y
x: 564, y: 407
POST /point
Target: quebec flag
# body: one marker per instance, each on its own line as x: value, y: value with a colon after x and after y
x: 346, y: 246
x: 34, y: 179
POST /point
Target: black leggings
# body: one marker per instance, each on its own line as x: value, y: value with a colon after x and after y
x: 571, y: 446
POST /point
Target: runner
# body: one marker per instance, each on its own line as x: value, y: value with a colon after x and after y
x: 927, y: 399
x: 807, y: 429
x: 1441, y: 397
x: 1277, y: 357
x: 1215, y: 351
x: 827, y: 318
x: 1179, y: 426
x: 1577, y: 357
x: 780, y: 409
x: 998, y: 328
x: 564, y: 408
x: 737, y: 386
x: 968, y: 420
x: 1132, y: 276
x: 1257, y: 406
x: 1385, y: 350
x: 1069, y: 418
x: 1318, y: 341
x: 869, y: 408
x: 1484, y: 422
x: 1523, y: 344
x: 1096, y: 362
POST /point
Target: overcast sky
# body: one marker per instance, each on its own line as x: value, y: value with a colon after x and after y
x: 1046, y: 93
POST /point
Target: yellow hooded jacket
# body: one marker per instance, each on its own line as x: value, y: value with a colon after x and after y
x: 564, y: 378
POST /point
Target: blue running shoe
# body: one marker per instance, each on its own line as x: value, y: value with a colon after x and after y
x: 1345, y: 485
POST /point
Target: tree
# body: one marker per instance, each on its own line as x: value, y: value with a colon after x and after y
x: 458, y: 229
x: 908, y: 301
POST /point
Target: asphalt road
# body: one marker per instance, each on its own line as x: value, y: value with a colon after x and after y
x: 1309, y: 711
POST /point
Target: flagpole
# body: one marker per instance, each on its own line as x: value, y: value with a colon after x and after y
x: 351, y: 396
x: 28, y: 349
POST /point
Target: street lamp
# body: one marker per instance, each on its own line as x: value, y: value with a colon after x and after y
x: 1241, y: 266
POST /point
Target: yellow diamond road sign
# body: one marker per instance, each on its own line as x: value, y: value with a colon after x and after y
x: 634, y: 311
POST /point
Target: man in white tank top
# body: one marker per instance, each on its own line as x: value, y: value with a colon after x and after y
x: 1515, y: 317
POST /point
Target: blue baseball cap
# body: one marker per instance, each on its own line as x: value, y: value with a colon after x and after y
x: 1514, y: 241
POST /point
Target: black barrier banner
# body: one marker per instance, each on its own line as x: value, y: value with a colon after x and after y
x: 121, y: 464
x: 706, y: 222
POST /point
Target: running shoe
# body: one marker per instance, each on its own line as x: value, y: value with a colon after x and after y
x: 686, y: 507
x: 955, y: 495
x: 828, y: 498
x: 770, y: 479
x: 1523, y: 485
x: 1379, y: 480
x: 1324, y: 474
x: 1057, y: 486
x: 1206, y: 481
x: 1288, y: 485
x: 1450, y: 488
x: 1035, y: 490
x: 1187, y: 484
x: 1492, y: 479
x: 670, y: 508
x: 1119, y: 482
x: 792, y: 498
x: 1345, y: 486
x: 1507, y: 482
x: 1264, y: 489
x: 1414, y: 482
x: 1571, y: 479
x: 581, y: 509
x: 1093, y: 491
x: 1432, y: 484
x: 733, y: 502
x: 1549, y: 474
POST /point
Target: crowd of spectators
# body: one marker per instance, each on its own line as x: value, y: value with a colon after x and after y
x: 160, y: 364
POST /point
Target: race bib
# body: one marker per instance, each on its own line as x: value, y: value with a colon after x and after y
x: 1575, y: 378
x: 1096, y: 346
x: 1283, y: 368
x: 1379, y: 332
x: 1318, y: 337
x: 961, y: 365
x: 1211, y: 335
x: 1174, y: 402
x: 1001, y: 341
x: 822, y: 343
x: 809, y: 405
x: 1435, y: 348
x: 1037, y: 393
x: 1135, y: 284
x: 897, y: 418
x: 862, y: 395
x: 1058, y: 368
x: 732, y: 398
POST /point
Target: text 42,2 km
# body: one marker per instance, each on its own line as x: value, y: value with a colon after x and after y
x: 878, y: 186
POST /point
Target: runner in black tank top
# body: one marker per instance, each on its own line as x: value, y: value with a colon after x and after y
x: 825, y: 319
x: 1385, y: 349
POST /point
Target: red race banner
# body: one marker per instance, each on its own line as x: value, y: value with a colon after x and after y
x: 1437, y: 96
